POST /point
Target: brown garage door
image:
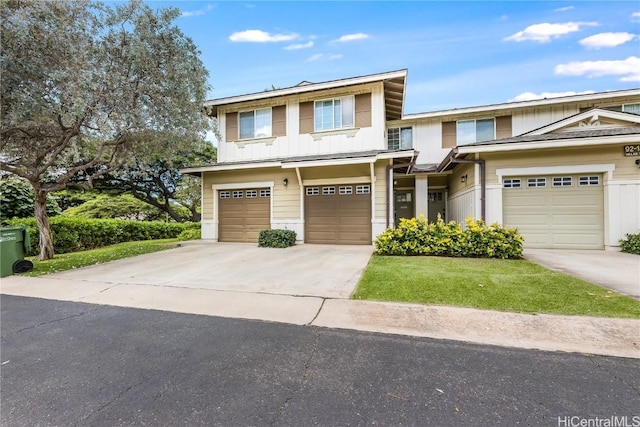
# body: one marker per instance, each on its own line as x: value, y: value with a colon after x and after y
x: 338, y: 214
x: 243, y: 213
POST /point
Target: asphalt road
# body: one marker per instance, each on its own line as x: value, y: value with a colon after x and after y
x: 72, y: 364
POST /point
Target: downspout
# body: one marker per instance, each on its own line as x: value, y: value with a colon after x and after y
x: 483, y: 182
x: 389, y: 177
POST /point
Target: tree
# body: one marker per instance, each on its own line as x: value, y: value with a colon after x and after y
x: 155, y: 178
x: 16, y: 199
x: 123, y: 206
x: 86, y: 86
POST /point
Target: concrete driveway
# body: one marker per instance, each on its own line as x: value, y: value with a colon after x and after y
x: 614, y: 270
x: 325, y: 271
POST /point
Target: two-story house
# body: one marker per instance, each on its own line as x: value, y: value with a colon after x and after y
x: 338, y: 162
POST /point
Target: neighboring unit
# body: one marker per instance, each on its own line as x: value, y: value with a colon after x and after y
x: 338, y: 163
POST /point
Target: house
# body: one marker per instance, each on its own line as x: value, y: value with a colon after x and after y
x: 338, y: 162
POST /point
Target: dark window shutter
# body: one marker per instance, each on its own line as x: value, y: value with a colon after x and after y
x: 363, y: 110
x: 306, y: 117
x: 231, y: 133
x: 279, y: 120
x: 503, y: 127
x: 449, y: 139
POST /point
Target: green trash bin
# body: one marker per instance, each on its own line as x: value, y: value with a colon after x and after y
x: 14, y: 244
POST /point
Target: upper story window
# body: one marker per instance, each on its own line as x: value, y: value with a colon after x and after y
x: 334, y: 113
x: 631, y: 108
x: 400, y: 138
x: 255, y: 124
x: 470, y: 131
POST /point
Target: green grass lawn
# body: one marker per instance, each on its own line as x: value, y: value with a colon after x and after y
x: 504, y: 285
x: 72, y: 260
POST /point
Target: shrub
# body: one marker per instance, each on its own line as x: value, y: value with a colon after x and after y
x: 416, y: 236
x: 79, y: 234
x: 631, y: 243
x: 276, y: 238
x: 190, y: 234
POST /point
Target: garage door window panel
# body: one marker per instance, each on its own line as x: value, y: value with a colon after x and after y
x: 537, y: 182
x: 225, y: 194
x: 328, y: 191
x: 238, y: 194
x: 562, y: 181
x: 363, y: 189
x: 511, y: 183
x: 589, y: 180
x: 313, y: 191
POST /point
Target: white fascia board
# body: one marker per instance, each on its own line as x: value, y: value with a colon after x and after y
x: 223, y: 167
x: 329, y: 162
x: 396, y: 154
x: 524, y: 104
x: 312, y: 87
x: 564, y: 143
x: 595, y: 114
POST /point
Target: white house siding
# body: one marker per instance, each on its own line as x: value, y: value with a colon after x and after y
x: 622, y: 210
x: 428, y: 141
x: 462, y: 205
x: 527, y: 120
x: 296, y: 144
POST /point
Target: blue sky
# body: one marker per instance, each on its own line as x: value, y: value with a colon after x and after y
x: 458, y: 53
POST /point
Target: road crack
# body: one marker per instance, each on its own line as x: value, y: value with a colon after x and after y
x: 72, y: 316
x: 622, y: 380
x: 303, y: 378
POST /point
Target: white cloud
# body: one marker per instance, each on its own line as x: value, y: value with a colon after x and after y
x: 545, y: 32
x: 628, y: 68
x: 352, y: 37
x: 306, y: 45
x: 598, y: 41
x: 631, y: 78
x: 259, y: 36
x: 530, y: 96
x: 564, y: 9
x: 199, y: 12
x: 635, y: 17
x: 319, y: 56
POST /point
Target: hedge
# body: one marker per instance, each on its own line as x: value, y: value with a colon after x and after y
x: 276, y: 238
x: 79, y: 234
x: 416, y: 236
x: 631, y: 243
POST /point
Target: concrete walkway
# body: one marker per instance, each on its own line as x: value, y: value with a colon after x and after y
x: 610, y: 337
x: 613, y: 270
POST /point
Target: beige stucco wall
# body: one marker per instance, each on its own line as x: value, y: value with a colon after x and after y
x: 286, y: 200
x: 625, y: 167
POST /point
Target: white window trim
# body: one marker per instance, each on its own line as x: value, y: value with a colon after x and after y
x: 255, y: 138
x: 557, y: 170
x: 476, y: 131
x: 400, y: 137
x: 339, y: 98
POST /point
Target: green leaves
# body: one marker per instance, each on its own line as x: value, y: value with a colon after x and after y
x: 276, y: 238
x: 631, y: 244
x: 416, y: 236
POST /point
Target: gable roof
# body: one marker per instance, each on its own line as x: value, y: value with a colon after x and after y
x: 394, y: 88
x: 614, y: 96
x: 591, y: 117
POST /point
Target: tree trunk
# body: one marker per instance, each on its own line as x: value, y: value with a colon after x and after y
x: 42, y: 221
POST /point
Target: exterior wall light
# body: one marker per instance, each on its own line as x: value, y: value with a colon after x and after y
x: 463, y: 178
x: 285, y: 182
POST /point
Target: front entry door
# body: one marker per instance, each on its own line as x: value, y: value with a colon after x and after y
x: 435, y: 205
x: 404, y: 205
